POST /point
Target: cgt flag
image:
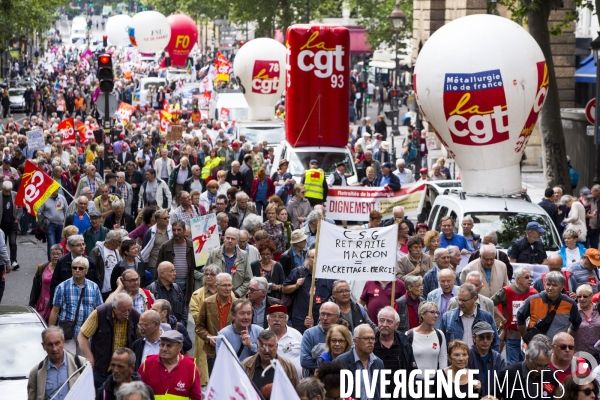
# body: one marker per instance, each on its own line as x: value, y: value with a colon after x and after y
x: 66, y: 127
x: 165, y: 121
x: 85, y: 132
x: 35, y: 188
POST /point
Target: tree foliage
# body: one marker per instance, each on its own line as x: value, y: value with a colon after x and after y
x: 374, y: 16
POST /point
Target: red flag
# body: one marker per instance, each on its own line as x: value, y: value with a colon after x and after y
x: 36, y: 186
x: 68, y: 131
x: 85, y: 132
x: 165, y: 105
x: 165, y: 121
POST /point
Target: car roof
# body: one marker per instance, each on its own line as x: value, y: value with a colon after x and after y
x: 18, y: 315
x: 266, y: 124
x: 491, y: 204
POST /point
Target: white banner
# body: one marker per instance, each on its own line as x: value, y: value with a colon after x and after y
x: 228, y: 380
x: 359, y: 255
x: 354, y: 203
x: 35, y: 140
x: 204, y: 236
x: 83, y: 389
x: 282, y: 387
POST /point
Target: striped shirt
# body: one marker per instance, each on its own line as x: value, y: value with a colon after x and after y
x: 66, y: 297
x: 180, y: 261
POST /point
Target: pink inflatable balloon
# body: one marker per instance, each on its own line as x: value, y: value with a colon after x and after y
x: 184, y: 35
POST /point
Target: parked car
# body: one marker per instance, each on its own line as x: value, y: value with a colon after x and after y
x: 17, y: 100
x: 20, y: 349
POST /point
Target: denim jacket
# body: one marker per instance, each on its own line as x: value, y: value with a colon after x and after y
x: 453, y: 328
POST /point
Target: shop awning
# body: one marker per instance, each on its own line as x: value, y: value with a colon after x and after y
x: 586, y: 73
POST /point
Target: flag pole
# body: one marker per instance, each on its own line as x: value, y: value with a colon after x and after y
x: 312, y: 285
x: 393, y: 291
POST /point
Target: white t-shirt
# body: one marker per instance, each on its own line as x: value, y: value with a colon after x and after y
x: 572, y: 256
x: 289, y: 347
x: 428, y: 352
x: 111, y: 258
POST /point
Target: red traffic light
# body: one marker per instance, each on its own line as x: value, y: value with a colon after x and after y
x: 394, y: 93
x: 104, y: 59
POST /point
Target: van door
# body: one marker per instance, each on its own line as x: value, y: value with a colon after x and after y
x: 432, y: 216
x: 443, y: 212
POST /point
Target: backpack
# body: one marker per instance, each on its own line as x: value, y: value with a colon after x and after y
x: 411, y: 337
x: 412, y: 153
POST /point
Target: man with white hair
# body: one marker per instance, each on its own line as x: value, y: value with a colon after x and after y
x: 125, y: 190
x: 405, y: 175
x: 493, y: 271
x: 230, y: 259
x: 243, y: 207
x: 10, y: 214
x: 397, y: 217
x: 178, y: 176
x: 484, y: 302
x: 491, y: 237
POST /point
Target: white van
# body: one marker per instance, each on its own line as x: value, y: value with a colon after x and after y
x: 139, y: 96
x: 229, y: 104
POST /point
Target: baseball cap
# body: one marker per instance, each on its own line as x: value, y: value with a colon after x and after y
x: 594, y: 256
x: 235, y: 144
x: 6, y: 159
x: 534, y: 226
x: 95, y: 214
x: 587, y: 193
x: 314, y: 162
x: 423, y: 170
x: 482, y: 327
x: 340, y: 164
x: 277, y: 308
x: 386, y: 165
x: 172, y: 336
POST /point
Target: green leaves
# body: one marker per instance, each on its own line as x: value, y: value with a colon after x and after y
x: 374, y: 16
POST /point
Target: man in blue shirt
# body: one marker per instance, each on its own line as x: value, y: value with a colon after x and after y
x: 241, y: 334
x: 448, y: 237
x: 386, y: 179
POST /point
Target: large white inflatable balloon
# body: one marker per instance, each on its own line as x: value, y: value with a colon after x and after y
x: 117, y: 29
x: 481, y: 82
x: 152, y: 31
x: 259, y: 67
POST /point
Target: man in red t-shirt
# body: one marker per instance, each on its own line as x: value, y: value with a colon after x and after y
x: 563, y: 349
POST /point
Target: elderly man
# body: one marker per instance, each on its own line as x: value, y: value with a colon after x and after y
x: 95, y: 233
x: 63, y: 269
x: 232, y: 261
x: 386, y: 179
x: 493, y: 271
x: 125, y: 191
x: 91, y: 180
x: 397, y: 217
x: 170, y: 372
x: 166, y: 288
x: 294, y: 257
x: 492, y: 238
x: 154, y: 238
x: 362, y: 353
x: 529, y: 249
x: 247, y: 175
x: 75, y: 205
x: 53, y: 213
x: 234, y: 176
x: 214, y: 315
x: 49, y: 375
x: 563, y: 350
x: 195, y: 181
x: 405, y: 175
x: 73, y: 302
x: 255, y: 365
x: 448, y: 237
x: 118, y: 218
x: 241, y: 333
x: 555, y: 263
x: 128, y: 282
x: 586, y: 270
x: 179, y: 251
x: 154, y: 188
x: 442, y: 295
x: 407, y: 306
x: 81, y: 218
x: 458, y: 324
x: 313, y: 339
x: 430, y: 279
x: 512, y: 297
x: 106, y: 257
x: 483, y: 359
x: 122, y: 366
x: 148, y: 343
x: 244, y: 245
x: 10, y: 214
x: 186, y: 211
x: 164, y: 165
x: 257, y: 294
x: 288, y: 338
x: 539, y: 307
x: 104, y: 201
x: 475, y: 278
x: 243, y: 207
x: 110, y: 326
x: 178, y: 176
x: 415, y: 263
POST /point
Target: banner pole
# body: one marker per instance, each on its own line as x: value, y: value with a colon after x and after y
x: 314, y: 273
x: 393, y: 291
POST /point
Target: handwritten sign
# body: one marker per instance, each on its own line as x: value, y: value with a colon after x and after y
x: 363, y: 255
x: 35, y: 140
x: 175, y: 134
x: 204, y: 236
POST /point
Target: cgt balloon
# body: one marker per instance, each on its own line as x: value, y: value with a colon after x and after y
x: 117, y: 29
x: 151, y: 31
x: 259, y: 66
x: 184, y: 35
x: 480, y: 82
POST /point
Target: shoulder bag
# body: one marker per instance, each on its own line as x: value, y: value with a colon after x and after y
x: 68, y: 327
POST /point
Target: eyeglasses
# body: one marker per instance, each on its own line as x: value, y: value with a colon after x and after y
x: 339, y: 341
x: 367, y: 339
x: 167, y: 217
x: 540, y: 367
x: 583, y: 296
x: 78, y: 268
x: 586, y: 391
x: 252, y: 290
x: 465, y: 300
x: 343, y: 291
x: 566, y: 346
x: 132, y: 280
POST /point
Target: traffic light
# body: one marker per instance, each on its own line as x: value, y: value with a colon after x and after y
x: 89, y: 24
x: 394, y: 93
x: 105, y: 73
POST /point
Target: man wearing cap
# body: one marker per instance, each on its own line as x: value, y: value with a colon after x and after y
x: 585, y: 271
x: 170, y: 374
x: 382, y: 153
x: 53, y: 213
x: 278, y: 176
x: 238, y: 152
x: 424, y: 173
x: 8, y: 173
x: 548, y: 205
x: 315, y: 184
x: 386, y: 179
x: 484, y: 360
x: 294, y: 256
x: 95, y: 233
x: 529, y: 249
x: 289, y: 339
x: 338, y: 177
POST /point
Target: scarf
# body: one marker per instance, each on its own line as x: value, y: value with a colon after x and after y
x: 212, y: 198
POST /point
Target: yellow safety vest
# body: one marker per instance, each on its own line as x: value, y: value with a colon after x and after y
x: 209, y: 165
x: 313, y: 183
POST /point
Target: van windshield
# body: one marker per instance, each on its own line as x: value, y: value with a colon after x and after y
x: 156, y: 84
x: 258, y: 134
x: 511, y: 226
x: 299, y: 162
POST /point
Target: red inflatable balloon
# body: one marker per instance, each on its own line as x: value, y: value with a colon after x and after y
x: 184, y: 35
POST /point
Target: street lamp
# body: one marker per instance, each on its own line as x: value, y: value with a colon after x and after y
x: 397, y: 17
x: 595, y: 45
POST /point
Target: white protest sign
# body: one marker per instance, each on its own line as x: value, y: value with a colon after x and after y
x: 35, y: 140
x: 205, y: 236
x: 360, y: 255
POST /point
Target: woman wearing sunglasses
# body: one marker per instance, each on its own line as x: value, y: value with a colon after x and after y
x: 428, y: 343
x: 589, y: 330
x: 574, y: 391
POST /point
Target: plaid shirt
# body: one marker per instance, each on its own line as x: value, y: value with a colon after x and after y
x: 174, y: 296
x: 67, y: 296
x: 179, y: 214
x: 124, y: 192
x: 430, y: 280
x: 92, y: 185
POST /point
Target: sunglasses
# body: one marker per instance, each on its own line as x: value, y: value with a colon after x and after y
x: 566, y: 346
x: 583, y: 296
x: 77, y: 268
x: 587, y: 391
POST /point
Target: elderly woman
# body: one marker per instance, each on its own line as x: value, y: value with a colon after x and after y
x: 252, y: 223
x: 350, y: 310
x: 421, y: 229
x: 576, y: 218
x: 415, y: 263
x: 276, y: 230
x: 310, y: 230
x: 407, y: 306
x: 432, y: 241
x: 445, y: 171
x: 337, y: 342
x: 589, y: 331
x: 428, y: 343
x: 262, y: 189
x: 458, y: 357
x: 298, y: 207
x: 40, y: 290
x: 119, y: 219
x: 436, y: 174
x: 572, y: 251
x: 268, y: 268
x: 209, y: 197
x: 369, y: 179
x: 403, y: 237
x: 375, y: 218
x: 198, y: 297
